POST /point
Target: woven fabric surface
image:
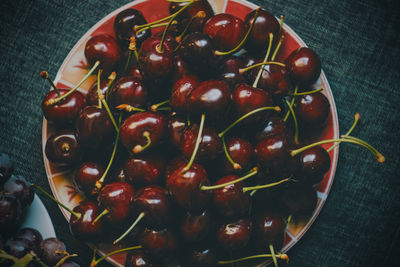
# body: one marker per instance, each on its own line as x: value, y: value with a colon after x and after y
x: 359, y: 44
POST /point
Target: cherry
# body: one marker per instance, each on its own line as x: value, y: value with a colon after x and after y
x: 176, y: 128
x: 18, y: 186
x: 312, y: 111
x: 304, y: 66
x: 63, y: 148
x: 32, y: 236
x: 174, y: 164
x: 181, y: 68
x: 137, y: 258
x: 52, y: 250
x: 241, y: 152
x: 18, y: 247
x: 128, y: 90
x: 85, y: 227
x: 86, y: 176
x: 69, y: 264
x: 103, y: 48
x: 145, y: 170
x: 226, y: 30
x: 6, y: 168
x: 158, y: 243
x: 196, y: 227
x: 181, y: 91
x: 124, y: 27
x: 234, y: 235
x: 313, y: 163
x: 202, y: 257
x: 268, y: 228
x: 274, y: 125
x: 94, y: 127
x: 229, y: 71
x: 144, y: 130
x: 185, y: 186
x: 299, y: 199
x: 92, y: 96
x: 274, y: 79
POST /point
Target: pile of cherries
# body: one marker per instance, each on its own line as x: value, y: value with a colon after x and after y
x: 191, y: 144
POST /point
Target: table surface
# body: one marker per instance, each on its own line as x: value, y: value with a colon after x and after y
x: 359, y: 44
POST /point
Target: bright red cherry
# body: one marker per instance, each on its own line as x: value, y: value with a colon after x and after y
x: 304, y: 66
x: 85, y: 228
x: 241, y: 152
x: 86, y: 176
x: 128, y: 90
x: 181, y: 91
x: 274, y: 79
x: 312, y: 163
x: 145, y: 170
x: 312, y: 111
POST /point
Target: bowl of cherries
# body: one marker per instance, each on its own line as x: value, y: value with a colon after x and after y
x: 191, y: 133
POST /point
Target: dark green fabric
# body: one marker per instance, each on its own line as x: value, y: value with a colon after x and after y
x: 359, y: 44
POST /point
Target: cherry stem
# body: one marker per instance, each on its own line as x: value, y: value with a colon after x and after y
x: 277, y: 108
x: 291, y: 104
x: 100, y: 182
x: 138, y: 219
x: 55, y: 100
x: 5, y: 255
x: 111, y: 79
x: 281, y: 22
x: 245, y: 189
x: 349, y: 139
x: 296, y: 126
x: 243, y: 70
x: 235, y: 165
x: 128, y: 108
x: 279, y: 255
x: 131, y: 49
x: 271, y: 248
x: 65, y: 147
x: 156, y: 106
x: 105, y: 212
x: 201, y: 14
x: 140, y: 148
x: 198, y: 141
x: 95, y: 262
x: 271, y: 38
x: 308, y: 92
x: 356, y: 119
x: 252, y: 173
x: 45, y: 75
x: 98, y: 87
x: 278, y: 46
x: 155, y: 26
x: 289, y: 219
x: 76, y: 214
x: 220, y: 53
x: 64, y: 259
x: 110, y: 115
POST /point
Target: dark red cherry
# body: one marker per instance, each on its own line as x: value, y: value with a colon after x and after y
x: 230, y: 201
x: 18, y: 248
x: 312, y: 111
x: 154, y: 201
x: 181, y: 68
x: 158, y: 243
x: 63, y: 148
x: 51, y: 251
x: 135, y: 72
x: 145, y: 170
x: 6, y: 168
x: 86, y: 176
x: 92, y: 96
x: 304, y: 66
x: 136, y: 126
x: 196, y: 227
x: 65, y: 111
x: 265, y: 24
x: 272, y: 126
x: 94, y: 128
x: 181, y: 91
x: 85, y: 228
x: 185, y: 187
x: 116, y: 198
x: 32, y: 236
x: 176, y: 128
x: 299, y: 199
x: 103, y: 48
x: 128, y: 90
x: 205, y: 257
x: 234, y: 235
x: 124, y: 27
x: 268, y: 228
x: 274, y: 79
x: 69, y: 263
x: 174, y: 164
x: 137, y: 258
x: 241, y: 152
x: 226, y: 30
x: 229, y: 71
x: 313, y: 163
x: 18, y: 186
x: 210, y: 145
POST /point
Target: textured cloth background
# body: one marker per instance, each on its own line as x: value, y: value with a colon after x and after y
x: 359, y: 44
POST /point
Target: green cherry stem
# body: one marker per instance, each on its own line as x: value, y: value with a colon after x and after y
x: 278, y: 46
x: 252, y: 173
x: 198, y: 141
x: 55, y: 100
x: 139, y: 148
x: 95, y: 262
x: 129, y: 108
x: 296, y: 126
x: 220, y: 53
x: 272, y: 250
x: 308, y: 92
x: 201, y: 14
x: 278, y: 255
x: 111, y: 79
x: 156, y: 106
x: 243, y: 70
x: 245, y: 189
x: 271, y: 38
x: 221, y: 134
x: 45, y: 75
x: 138, y: 219
x: 98, y: 87
x: 356, y: 119
x: 103, y: 213
x: 235, y: 165
x: 110, y: 115
x: 162, y: 24
x: 76, y: 214
x: 4, y: 255
x: 64, y: 259
x: 291, y: 104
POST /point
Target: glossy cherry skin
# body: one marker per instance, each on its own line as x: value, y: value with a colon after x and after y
x: 6, y: 168
x: 154, y: 201
x: 312, y: 111
x: 50, y: 249
x: 268, y: 228
x: 229, y: 71
x: 158, y: 243
x: 185, y: 187
x: 124, y: 27
x: 265, y: 24
x: 181, y: 91
x: 94, y: 128
x: 86, y: 176
x: 230, y: 201
x: 92, y: 96
x: 274, y: 79
x: 63, y: 148
x: 65, y: 111
x: 226, y: 30
x: 18, y: 248
x: 202, y: 257
x: 18, y: 186
x: 313, y: 163
x: 135, y: 125
x: 103, y: 48
x: 32, y: 236
x: 210, y: 145
x: 234, y: 235
x: 174, y: 164
x: 272, y: 126
x: 196, y: 227
x: 85, y: 228
x: 137, y: 258
x: 128, y: 90
x: 145, y: 170
x: 299, y: 199
x: 117, y: 198
x: 176, y: 128
x: 181, y: 68
x: 241, y: 152
x: 304, y: 66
